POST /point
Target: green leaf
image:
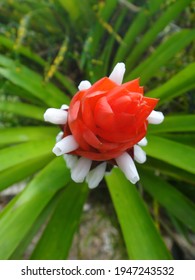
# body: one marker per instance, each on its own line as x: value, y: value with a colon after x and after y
x: 26, y: 133
x: 103, y: 68
x: 137, y: 26
x: 22, y: 250
x: 149, y: 67
x: 9, y: 44
x: 22, y: 109
x: 57, y: 237
x: 26, y: 151
x: 184, y: 138
x: 169, y: 197
x: 141, y: 237
x: 25, y: 51
x: 170, y: 14
x: 171, y: 152
x: 94, y: 38
x: 18, y: 217
x: 22, y: 171
x: 32, y: 82
x: 168, y: 169
x: 180, y: 123
x: 177, y: 85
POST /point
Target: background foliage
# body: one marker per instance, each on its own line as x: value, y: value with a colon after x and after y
x: 47, y: 48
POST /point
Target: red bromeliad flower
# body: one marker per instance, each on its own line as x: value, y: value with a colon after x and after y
x: 106, y: 123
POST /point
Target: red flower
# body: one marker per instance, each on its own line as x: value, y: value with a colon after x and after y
x: 108, y: 119
x: 106, y: 122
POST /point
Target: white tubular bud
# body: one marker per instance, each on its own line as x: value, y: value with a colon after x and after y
x: 70, y: 160
x: 84, y: 85
x: 81, y: 169
x: 143, y: 142
x: 95, y: 176
x: 126, y: 164
x: 139, y: 154
x: 118, y: 73
x: 55, y: 116
x: 66, y: 145
x: 59, y: 136
x: 64, y: 107
x: 155, y: 117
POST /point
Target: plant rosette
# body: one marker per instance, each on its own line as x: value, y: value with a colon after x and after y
x: 106, y: 123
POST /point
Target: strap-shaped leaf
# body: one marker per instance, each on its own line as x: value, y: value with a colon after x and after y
x: 142, y: 240
x: 65, y: 80
x: 26, y: 151
x: 171, y: 152
x: 137, y: 26
x: 150, y: 66
x: 22, y: 109
x: 180, y: 123
x: 176, y: 86
x: 26, y: 133
x: 19, y: 215
x: 169, y: 197
x: 22, y: 251
x: 170, y: 14
x: 22, y: 171
x: 168, y: 169
x: 57, y: 237
x: 32, y: 82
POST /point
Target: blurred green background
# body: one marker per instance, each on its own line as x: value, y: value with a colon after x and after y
x: 46, y: 48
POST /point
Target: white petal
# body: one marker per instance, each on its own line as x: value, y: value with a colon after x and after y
x: 139, y: 154
x: 118, y: 73
x: 56, y: 116
x: 64, y: 107
x: 155, y: 117
x: 95, y: 176
x: 84, y: 85
x: 70, y: 160
x: 66, y: 145
x: 59, y: 136
x: 126, y: 164
x: 143, y: 142
x: 81, y: 169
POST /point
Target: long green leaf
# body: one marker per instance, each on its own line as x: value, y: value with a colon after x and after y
x: 22, y: 171
x: 22, y: 250
x: 172, y: 199
x: 177, y: 85
x: 168, y: 169
x: 174, y: 153
x: 149, y: 67
x: 32, y: 82
x: 137, y: 26
x: 18, y: 217
x: 184, y: 138
x: 57, y: 237
x: 22, y: 152
x: 23, y: 109
x: 103, y: 68
x: 141, y: 237
x: 25, y: 51
x: 180, y: 123
x: 170, y: 14
x: 26, y: 133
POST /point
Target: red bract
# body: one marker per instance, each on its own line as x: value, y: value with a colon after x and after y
x: 108, y: 119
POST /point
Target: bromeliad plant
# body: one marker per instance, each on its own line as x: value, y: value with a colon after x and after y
x: 104, y: 34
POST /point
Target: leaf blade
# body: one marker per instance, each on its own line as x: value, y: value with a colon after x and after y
x: 172, y: 152
x: 141, y: 237
x: 57, y: 237
x: 17, y: 217
x: 169, y: 197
